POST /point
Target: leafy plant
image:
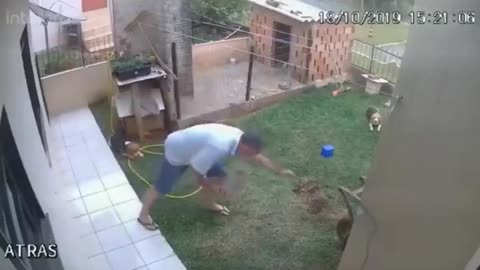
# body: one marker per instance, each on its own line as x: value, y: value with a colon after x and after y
x: 58, y: 60
x: 222, y: 11
x: 125, y: 63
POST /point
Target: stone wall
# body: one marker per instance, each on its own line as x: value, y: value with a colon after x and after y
x: 162, y: 28
x: 223, y: 50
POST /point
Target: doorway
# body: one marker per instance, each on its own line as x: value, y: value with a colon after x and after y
x: 281, y: 45
x: 89, y: 5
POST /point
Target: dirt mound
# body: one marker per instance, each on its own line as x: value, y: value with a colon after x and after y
x: 314, y: 198
x: 317, y: 203
x: 306, y: 187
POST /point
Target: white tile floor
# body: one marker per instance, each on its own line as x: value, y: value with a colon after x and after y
x: 103, y: 203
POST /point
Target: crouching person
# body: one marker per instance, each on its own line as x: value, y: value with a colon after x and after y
x: 204, y: 148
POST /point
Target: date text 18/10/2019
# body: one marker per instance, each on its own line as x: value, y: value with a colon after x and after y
x: 395, y: 17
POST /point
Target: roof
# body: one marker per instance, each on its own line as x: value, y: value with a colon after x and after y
x: 294, y: 9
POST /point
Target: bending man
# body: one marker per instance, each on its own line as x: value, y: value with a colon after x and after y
x: 204, y: 148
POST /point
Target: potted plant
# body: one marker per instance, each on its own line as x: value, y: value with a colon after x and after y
x: 126, y: 68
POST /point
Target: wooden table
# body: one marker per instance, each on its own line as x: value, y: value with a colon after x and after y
x: 129, y: 99
x: 373, y: 85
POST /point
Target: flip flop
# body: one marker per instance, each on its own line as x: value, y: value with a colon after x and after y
x: 224, y: 211
x: 149, y: 226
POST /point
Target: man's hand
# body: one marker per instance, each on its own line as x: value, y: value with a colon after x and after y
x: 287, y: 173
x: 267, y: 163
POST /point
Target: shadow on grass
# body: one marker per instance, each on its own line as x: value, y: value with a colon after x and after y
x: 269, y: 227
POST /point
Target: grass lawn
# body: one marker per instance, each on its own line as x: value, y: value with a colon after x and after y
x: 382, y: 33
x: 269, y: 227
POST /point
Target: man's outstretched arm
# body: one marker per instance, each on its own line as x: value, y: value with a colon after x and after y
x: 265, y: 162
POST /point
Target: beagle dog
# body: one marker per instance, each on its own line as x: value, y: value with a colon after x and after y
x: 374, y: 118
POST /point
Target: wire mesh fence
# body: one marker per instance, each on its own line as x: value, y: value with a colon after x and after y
x: 376, y: 60
x: 78, y: 54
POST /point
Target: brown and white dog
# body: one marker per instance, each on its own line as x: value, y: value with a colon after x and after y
x: 133, y: 150
x: 374, y: 118
x: 120, y: 146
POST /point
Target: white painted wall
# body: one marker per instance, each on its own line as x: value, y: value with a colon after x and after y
x: 15, y: 98
x: 38, y: 32
x: 66, y: 91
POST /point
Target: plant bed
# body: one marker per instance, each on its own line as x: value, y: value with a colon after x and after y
x: 126, y: 68
x: 124, y: 75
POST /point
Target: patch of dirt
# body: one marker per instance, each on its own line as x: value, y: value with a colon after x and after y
x: 306, y: 187
x: 317, y: 203
x: 313, y: 196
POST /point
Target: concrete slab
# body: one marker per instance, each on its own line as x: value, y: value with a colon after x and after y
x: 218, y: 87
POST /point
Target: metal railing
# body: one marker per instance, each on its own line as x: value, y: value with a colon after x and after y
x: 375, y: 60
x: 79, y: 54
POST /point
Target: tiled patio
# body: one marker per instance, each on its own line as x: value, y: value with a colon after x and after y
x: 101, y: 200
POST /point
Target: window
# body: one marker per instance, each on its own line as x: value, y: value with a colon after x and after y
x: 22, y: 220
x: 32, y: 88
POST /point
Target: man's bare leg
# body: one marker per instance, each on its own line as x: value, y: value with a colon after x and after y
x: 149, y: 198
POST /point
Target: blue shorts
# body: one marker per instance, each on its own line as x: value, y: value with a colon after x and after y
x: 169, y: 174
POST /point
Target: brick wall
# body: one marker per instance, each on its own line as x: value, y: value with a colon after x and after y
x: 331, y: 49
x: 330, y: 44
x: 263, y: 37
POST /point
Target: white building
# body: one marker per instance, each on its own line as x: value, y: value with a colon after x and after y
x: 96, y: 28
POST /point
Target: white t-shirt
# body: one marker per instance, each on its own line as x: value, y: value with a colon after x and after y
x: 202, y: 146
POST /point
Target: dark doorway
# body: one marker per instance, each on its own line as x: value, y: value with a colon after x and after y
x: 32, y: 87
x: 22, y: 220
x: 281, y: 44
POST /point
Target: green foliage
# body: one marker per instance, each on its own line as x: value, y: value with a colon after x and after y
x: 58, y: 60
x: 223, y: 11
x: 130, y: 63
